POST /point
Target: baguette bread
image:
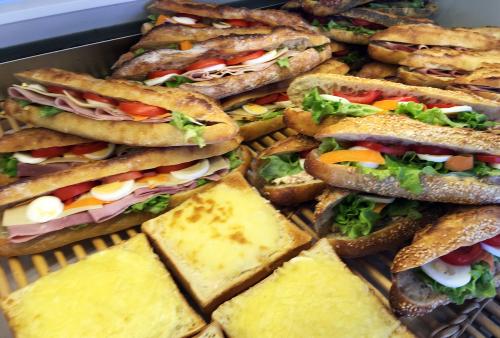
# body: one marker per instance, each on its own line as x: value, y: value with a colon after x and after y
x: 286, y: 193
x: 212, y: 330
x: 409, y: 295
x: 133, y: 289
x: 231, y: 246
x: 378, y: 70
x: 312, y: 295
x: 483, y: 82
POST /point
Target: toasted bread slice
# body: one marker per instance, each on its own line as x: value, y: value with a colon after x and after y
x: 312, y: 295
x: 212, y: 330
x: 231, y: 245
x: 37, y: 138
x: 118, y: 292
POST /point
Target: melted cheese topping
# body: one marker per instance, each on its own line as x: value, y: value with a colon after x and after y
x: 120, y: 292
x: 312, y: 295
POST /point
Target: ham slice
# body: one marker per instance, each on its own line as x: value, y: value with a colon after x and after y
x: 442, y: 72
x: 408, y: 47
x: 32, y: 170
x: 68, y: 104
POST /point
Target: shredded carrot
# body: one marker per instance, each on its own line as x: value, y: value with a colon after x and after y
x: 185, y: 45
x: 161, y: 19
x: 83, y: 203
x: 337, y: 156
x: 386, y: 104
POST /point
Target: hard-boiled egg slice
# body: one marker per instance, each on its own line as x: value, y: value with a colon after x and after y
x: 495, y: 165
x: 35, y: 86
x: 254, y: 109
x: 491, y: 249
x: 213, y: 68
x: 378, y: 199
x: 220, y: 24
x: 159, y: 80
x: 101, y: 154
x: 44, y: 209
x: 193, y: 172
x: 365, y: 164
x: 433, y: 158
x: 302, y: 161
x: 26, y: 158
x: 334, y: 98
x: 271, y: 55
x: 456, y: 109
x: 283, y: 104
x: 184, y: 20
x: 453, y: 276
x: 113, y: 191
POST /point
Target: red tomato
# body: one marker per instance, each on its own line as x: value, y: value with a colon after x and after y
x: 463, y: 256
x: 396, y: 150
x: 494, y: 241
x: 238, y: 23
x: 85, y: 148
x: 488, y: 158
x: 149, y: 173
x: 282, y: 97
x: 99, y: 98
x: 73, y: 190
x: 242, y: 57
x: 368, y: 24
x: 160, y: 73
x: 403, y: 99
x: 431, y: 150
x: 267, y: 99
x: 169, y: 168
x: 365, y: 97
x: 61, y: 90
x: 138, y: 108
x: 49, y: 152
x: 131, y: 175
x: 439, y: 105
x: 205, y: 63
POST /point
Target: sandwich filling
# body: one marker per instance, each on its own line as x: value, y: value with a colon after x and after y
x: 342, y: 23
x: 384, y: 4
x: 407, y: 163
x: 364, y: 103
x: 97, y: 201
x: 468, y: 272
x: 286, y: 168
x: 42, y: 161
x: 53, y: 100
x: 261, y: 109
x: 411, y: 47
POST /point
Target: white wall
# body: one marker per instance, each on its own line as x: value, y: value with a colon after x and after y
x: 469, y: 13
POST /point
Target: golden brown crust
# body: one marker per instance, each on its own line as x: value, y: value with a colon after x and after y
x: 37, y: 138
x: 382, y: 18
x: 329, y: 82
x: 436, y: 188
x: 386, y: 55
x: 236, y: 101
x: 488, y: 30
x: 119, y: 132
x: 485, y: 76
x: 252, y: 130
x: 418, y: 79
x: 140, y: 160
x: 330, y: 66
x: 301, y: 121
x: 338, y: 46
x: 425, y: 12
x: 329, y: 7
x: 4, y: 179
x: 348, y: 37
x: 445, y: 58
x: 377, y: 70
x: 462, y: 227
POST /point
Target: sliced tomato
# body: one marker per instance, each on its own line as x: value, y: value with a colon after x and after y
x: 71, y: 191
x: 367, y: 24
x: 494, y: 241
x: 365, y: 97
x: 169, y: 168
x: 267, y: 99
x: 396, y: 150
x: 205, y: 63
x: 463, y: 256
x: 138, y: 108
x: 61, y: 90
x: 86, y: 148
x: 440, y: 105
x: 431, y: 150
x: 282, y: 97
x: 403, y: 99
x: 99, y: 98
x: 238, y: 23
x: 160, y: 73
x: 131, y: 175
x: 488, y: 158
x: 49, y: 152
x: 242, y: 57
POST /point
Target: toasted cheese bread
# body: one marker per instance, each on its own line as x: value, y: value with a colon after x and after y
x: 123, y: 291
x: 312, y: 295
x: 218, y: 246
x: 213, y: 330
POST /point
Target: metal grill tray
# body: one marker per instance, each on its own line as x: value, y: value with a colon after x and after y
x: 473, y: 319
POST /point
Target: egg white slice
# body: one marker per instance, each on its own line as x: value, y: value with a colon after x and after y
x: 25, y: 158
x: 193, y: 172
x: 44, y: 209
x: 371, y: 165
x: 378, y: 199
x: 456, y: 109
x: 113, y: 191
x: 183, y: 20
x: 495, y: 165
x: 491, y: 249
x: 221, y: 25
x: 334, y: 98
x: 453, y: 276
x: 271, y: 55
x: 434, y: 158
x: 101, y: 154
x: 159, y: 80
x: 213, y: 68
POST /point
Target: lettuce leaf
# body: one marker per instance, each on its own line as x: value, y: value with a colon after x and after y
x: 8, y: 165
x: 23, y: 103
x: 482, y: 169
x: 328, y: 144
x: 47, y: 111
x: 234, y: 159
x: 271, y: 114
x: 201, y: 181
x: 189, y: 127
x: 481, y: 285
x: 176, y: 81
x: 345, y: 26
x: 284, y: 62
x: 403, y: 208
x: 153, y: 205
x: 277, y: 166
x: 354, y: 216
x: 398, y: 4
x: 475, y: 120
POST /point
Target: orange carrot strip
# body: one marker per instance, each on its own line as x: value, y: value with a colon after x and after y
x: 337, y: 156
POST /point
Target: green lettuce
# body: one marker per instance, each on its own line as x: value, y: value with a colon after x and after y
x: 234, y: 159
x: 153, y: 205
x: 277, y: 166
x: 345, y: 26
x: 328, y: 144
x: 284, y: 62
x: 47, y: 111
x: 23, y: 103
x: 176, y: 81
x: 201, y: 181
x: 8, y: 165
x: 355, y: 59
x: 321, y: 108
x: 481, y: 285
x: 403, y: 208
x: 189, y: 127
x: 475, y: 120
x: 139, y: 51
x: 271, y: 114
x: 354, y: 216
x: 398, y: 4
x: 482, y: 169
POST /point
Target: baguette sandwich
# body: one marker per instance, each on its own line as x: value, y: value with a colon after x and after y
x: 378, y: 70
x: 323, y: 7
x: 321, y: 100
x: 311, y: 295
x: 358, y: 224
x: 397, y: 42
x: 439, y: 67
x: 218, y: 246
x: 103, y: 197
x: 413, y: 8
x: 117, y: 111
x: 120, y: 292
x: 484, y: 82
x: 278, y: 172
x: 229, y: 65
x: 393, y: 155
x: 453, y: 260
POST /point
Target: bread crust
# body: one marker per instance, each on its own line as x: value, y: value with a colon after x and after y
x: 378, y: 70
x: 37, y: 138
x: 301, y: 121
x: 123, y: 132
x: 485, y: 76
x: 329, y: 7
x: 462, y: 227
x: 447, y: 189
x: 386, y: 55
x: 429, y: 9
x: 418, y: 79
x: 67, y: 236
x: 253, y: 130
x: 382, y: 18
x: 348, y: 36
x: 331, y: 66
x: 445, y: 58
x: 237, y: 101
